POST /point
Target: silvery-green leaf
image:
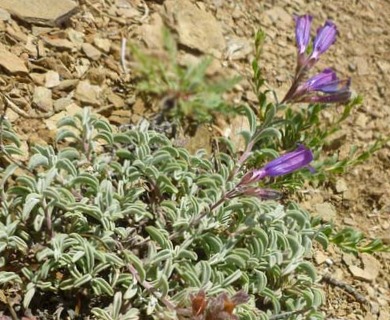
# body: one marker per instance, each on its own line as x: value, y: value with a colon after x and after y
x: 9, y: 277
x: 106, y: 136
x: 235, y: 260
x: 101, y: 314
x: 29, y: 295
x: 309, y: 270
x: 102, y: 286
x: 82, y: 280
x: 31, y: 201
x: 9, y: 171
x: 131, y: 291
x: 64, y: 133
x: 204, y: 270
x: 159, y: 236
x: 160, y: 256
x: 67, y: 121
x: 231, y: 278
x: 67, y: 165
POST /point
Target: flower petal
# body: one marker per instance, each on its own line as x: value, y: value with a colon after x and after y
x: 302, y: 32
x: 289, y: 162
x: 325, y: 37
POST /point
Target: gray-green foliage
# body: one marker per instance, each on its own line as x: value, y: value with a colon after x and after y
x: 116, y: 214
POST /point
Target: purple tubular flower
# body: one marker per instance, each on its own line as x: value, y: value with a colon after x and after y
x: 325, y: 82
x: 325, y: 37
x: 302, y: 32
x: 287, y: 163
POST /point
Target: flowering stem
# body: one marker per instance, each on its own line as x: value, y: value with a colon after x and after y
x: 242, y: 159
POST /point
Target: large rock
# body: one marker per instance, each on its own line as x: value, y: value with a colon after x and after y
x: 11, y: 63
x: 197, y: 29
x: 42, y: 12
x: 88, y: 94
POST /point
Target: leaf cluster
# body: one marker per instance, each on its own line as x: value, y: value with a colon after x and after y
x: 122, y: 222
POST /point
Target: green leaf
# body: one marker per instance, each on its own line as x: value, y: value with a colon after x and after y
x: 67, y: 165
x: 67, y: 121
x: 9, y: 171
x: 159, y: 236
x: 102, y: 286
x: 82, y: 280
x: 231, y: 278
x: 101, y: 314
x: 86, y: 179
x: 37, y: 160
x: 160, y: 256
x: 31, y: 201
x: 63, y: 134
x: 9, y: 277
x: 29, y: 295
x: 235, y: 260
x: 268, y: 134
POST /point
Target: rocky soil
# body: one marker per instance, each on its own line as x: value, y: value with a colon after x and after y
x: 58, y: 56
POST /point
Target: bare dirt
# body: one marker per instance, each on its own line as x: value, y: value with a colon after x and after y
x: 54, y: 64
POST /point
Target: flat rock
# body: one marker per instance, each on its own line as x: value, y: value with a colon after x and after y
x: 279, y: 17
x: 88, y: 94
x: 58, y: 43
x: 360, y: 274
x: 116, y: 100
x: 4, y: 15
x: 102, y: 44
x: 238, y: 48
x: 326, y: 211
x: 91, y: 52
x: 76, y: 37
x: 371, y: 264
x: 370, y: 271
x: 150, y: 32
x: 320, y: 257
x: 41, y: 12
x: 42, y: 99
x: 197, y: 29
x: 11, y: 62
x: 341, y: 186
x: 52, y: 79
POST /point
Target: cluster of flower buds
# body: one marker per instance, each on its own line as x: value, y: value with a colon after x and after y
x: 326, y: 82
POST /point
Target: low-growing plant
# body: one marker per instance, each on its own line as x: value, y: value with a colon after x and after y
x: 127, y: 215
x: 123, y: 224
x: 185, y: 93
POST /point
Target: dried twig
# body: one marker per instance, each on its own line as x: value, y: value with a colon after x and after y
x: 15, y: 108
x: 123, y: 55
x: 346, y: 287
x: 146, y: 12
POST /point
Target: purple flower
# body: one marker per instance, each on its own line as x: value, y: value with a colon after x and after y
x: 325, y: 37
x: 287, y: 163
x: 336, y: 90
x: 302, y: 32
